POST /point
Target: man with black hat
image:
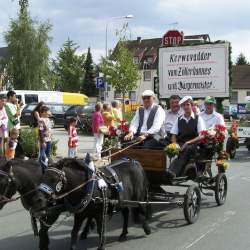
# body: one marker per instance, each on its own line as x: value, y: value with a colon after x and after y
x: 185, y: 132
x: 209, y: 115
x: 148, y: 122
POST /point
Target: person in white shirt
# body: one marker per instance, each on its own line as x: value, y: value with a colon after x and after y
x: 185, y: 132
x: 148, y: 122
x: 173, y: 113
x: 209, y: 115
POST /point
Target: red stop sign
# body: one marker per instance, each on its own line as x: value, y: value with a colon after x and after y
x: 172, y: 38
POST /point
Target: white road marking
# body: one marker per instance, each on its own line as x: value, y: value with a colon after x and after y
x: 211, y: 228
x: 246, y: 178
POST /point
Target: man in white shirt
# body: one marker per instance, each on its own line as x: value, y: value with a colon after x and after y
x: 209, y: 115
x: 173, y: 113
x: 148, y: 122
x: 185, y: 132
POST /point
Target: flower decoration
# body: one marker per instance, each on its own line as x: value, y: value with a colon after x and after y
x: 215, y: 135
x: 221, y: 161
x: 172, y: 150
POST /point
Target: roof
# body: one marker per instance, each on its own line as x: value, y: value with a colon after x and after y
x: 3, y: 52
x: 147, y: 48
x: 241, y: 77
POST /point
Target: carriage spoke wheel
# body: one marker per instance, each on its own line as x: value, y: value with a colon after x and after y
x: 192, y: 204
x: 221, y: 189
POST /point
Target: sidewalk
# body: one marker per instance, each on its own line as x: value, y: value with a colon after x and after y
x: 86, y: 143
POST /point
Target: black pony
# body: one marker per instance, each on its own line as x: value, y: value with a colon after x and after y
x: 24, y: 177
x: 86, y: 194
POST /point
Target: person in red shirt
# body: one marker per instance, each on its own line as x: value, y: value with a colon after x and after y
x: 73, y: 138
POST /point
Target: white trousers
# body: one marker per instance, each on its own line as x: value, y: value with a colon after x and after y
x: 98, y: 143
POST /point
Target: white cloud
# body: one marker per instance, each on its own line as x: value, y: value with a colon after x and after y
x: 96, y: 53
x: 240, y: 42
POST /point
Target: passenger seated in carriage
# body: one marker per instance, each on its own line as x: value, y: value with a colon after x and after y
x: 148, y: 122
x: 185, y: 132
x: 209, y: 115
x: 171, y: 116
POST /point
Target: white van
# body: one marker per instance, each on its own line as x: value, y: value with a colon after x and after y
x: 33, y: 96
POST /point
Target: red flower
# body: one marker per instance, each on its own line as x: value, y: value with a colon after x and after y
x: 205, y: 136
x: 220, y: 128
x: 124, y: 127
x: 112, y: 131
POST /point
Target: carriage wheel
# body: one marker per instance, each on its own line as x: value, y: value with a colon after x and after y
x: 192, y: 204
x: 221, y: 189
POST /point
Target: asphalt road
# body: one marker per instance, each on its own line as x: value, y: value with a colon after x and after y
x: 226, y: 227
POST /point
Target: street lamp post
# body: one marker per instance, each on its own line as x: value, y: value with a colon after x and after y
x: 106, y: 44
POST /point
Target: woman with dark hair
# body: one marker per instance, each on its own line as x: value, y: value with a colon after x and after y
x: 36, y: 114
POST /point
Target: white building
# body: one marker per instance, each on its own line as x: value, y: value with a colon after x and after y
x: 240, y: 84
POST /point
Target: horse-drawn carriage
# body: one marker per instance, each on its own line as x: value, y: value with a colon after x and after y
x: 198, y: 170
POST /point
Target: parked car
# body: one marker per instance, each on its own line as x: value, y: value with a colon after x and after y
x: 83, y: 114
x: 58, y: 110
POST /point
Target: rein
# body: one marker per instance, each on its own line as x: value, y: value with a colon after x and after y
x: 11, y: 180
x: 58, y: 197
x: 124, y: 149
x: 8, y: 200
x: 113, y: 147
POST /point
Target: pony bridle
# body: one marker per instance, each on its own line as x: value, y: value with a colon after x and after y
x: 45, y: 188
x: 10, y: 181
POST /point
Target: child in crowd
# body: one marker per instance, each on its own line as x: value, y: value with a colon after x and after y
x: 97, y: 123
x: 3, y: 126
x: 45, y: 136
x: 107, y: 115
x: 11, y: 144
x: 73, y: 138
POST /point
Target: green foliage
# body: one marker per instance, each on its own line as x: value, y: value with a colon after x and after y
x: 121, y: 72
x: 54, y: 147
x: 29, y: 140
x: 128, y: 116
x: 27, y: 42
x: 69, y: 67
x: 241, y: 60
x: 88, y: 85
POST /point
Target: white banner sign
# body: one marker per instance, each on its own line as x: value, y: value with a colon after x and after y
x: 194, y: 70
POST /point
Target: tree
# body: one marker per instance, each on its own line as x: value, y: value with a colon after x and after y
x: 69, y: 67
x: 89, y: 86
x: 27, y: 42
x: 121, y: 72
x: 241, y: 60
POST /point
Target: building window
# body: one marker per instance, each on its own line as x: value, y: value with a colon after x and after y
x: 147, y: 75
x: 234, y: 97
x: 149, y: 59
x: 30, y: 98
x: 248, y: 93
x: 132, y: 96
x: 117, y: 95
x: 136, y: 60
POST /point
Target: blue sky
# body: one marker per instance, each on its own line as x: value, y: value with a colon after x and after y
x: 84, y: 20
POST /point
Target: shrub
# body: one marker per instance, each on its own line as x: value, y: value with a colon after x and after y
x: 29, y: 142
x: 29, y: 139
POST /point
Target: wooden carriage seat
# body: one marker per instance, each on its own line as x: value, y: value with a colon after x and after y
x: 151, y: 160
